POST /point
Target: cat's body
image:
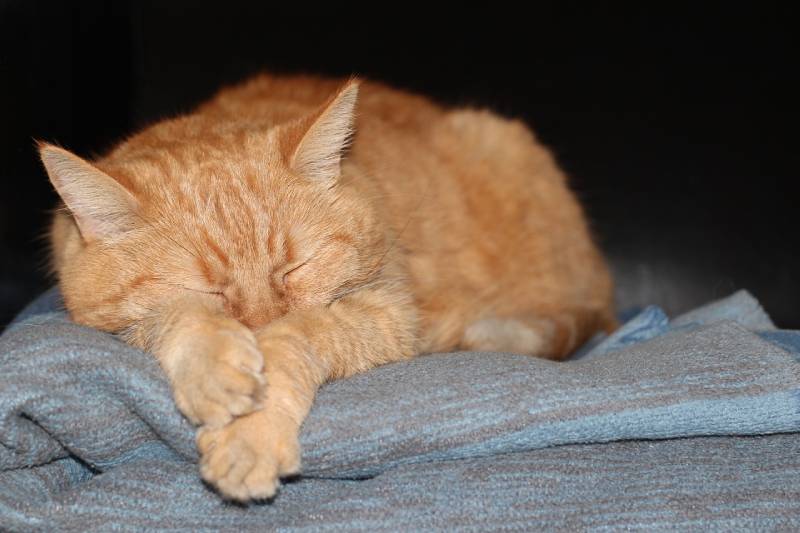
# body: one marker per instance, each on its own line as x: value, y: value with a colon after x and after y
x: 256, y: 264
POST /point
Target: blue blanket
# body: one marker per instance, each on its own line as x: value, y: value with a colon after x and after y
x: 90, y: 438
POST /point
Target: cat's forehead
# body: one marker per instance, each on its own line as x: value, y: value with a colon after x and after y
x: 220, y: 191
x: 244, y: 226
x: 173, y: 159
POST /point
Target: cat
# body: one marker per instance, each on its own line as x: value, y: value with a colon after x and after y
x: 295, y: 230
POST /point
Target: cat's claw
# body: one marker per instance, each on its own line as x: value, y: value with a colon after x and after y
x: 245, y: 460
x: 218, y: 376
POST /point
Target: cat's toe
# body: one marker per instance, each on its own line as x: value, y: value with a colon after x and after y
x: 199, y: 410
x: 237, y: 471
x: 262, y: 482
x: 210, y: 405
x: 243, y: 462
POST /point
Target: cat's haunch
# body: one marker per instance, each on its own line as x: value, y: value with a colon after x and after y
x: 295, y: 230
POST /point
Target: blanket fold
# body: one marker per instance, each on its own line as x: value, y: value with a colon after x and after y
x: 86, y: 419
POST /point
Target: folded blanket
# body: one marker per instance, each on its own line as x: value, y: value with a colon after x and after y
x: 90, y: 438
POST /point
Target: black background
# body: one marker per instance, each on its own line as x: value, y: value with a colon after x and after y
x: 677, y: 127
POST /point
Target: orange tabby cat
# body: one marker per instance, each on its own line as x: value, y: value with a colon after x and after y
x: 258, y: 253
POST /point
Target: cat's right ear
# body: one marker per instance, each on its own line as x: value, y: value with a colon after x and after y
x: 102, y: 207
x: 314, y: 145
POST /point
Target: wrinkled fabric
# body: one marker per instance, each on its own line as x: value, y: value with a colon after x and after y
x: 664, y: 424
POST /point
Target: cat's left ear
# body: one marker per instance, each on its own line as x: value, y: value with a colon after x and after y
x: 313, y: 146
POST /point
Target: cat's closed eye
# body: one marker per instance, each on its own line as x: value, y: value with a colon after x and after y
x: 292, y: 272
x: 209, y: 291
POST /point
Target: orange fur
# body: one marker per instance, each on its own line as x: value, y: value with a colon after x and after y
x: 257, y: 255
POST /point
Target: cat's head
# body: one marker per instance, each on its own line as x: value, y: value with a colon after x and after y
x: 254, y: 220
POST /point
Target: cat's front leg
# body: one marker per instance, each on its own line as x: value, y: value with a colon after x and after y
x: 212, y: 361
x: 246, y: 458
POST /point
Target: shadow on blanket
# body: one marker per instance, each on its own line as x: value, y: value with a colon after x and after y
x: 90, y: 438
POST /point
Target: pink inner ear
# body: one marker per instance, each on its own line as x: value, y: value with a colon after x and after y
x: 318, y: 152
x: 101, y: 206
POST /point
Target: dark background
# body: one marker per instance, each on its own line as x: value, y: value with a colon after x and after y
x: 675, y: 126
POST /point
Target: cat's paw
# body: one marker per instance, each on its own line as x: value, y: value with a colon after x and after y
x: 246, y: 459
x: 217, y: 375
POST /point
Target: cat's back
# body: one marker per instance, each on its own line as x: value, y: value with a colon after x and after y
x: 406, y: 144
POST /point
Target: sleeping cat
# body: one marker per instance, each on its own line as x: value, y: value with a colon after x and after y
x: 295, y: 230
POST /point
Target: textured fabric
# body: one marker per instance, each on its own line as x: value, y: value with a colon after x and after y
x: 788, y: 340
x: 702, y: 484
x: 739, y: 307
x: 90, y: 438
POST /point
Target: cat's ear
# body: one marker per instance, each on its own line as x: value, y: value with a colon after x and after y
x: 101, y: 206
x: 315, y: 144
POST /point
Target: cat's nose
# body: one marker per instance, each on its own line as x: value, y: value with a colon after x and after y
x: 259, y: 316
x: 247, y: 311
x: 254, y: 322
